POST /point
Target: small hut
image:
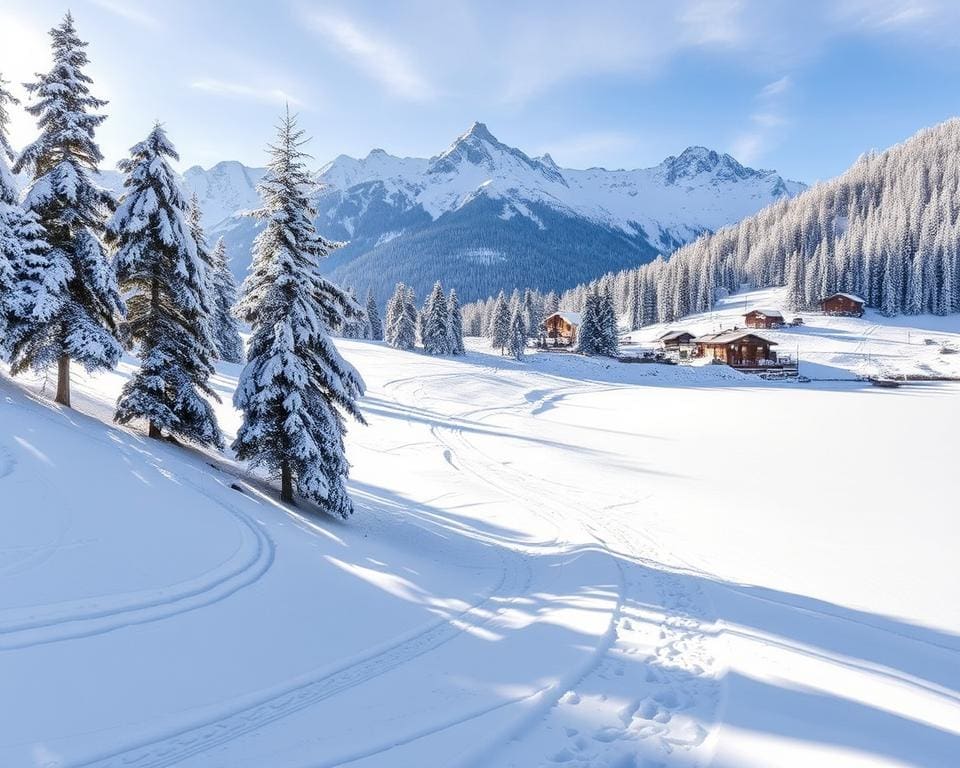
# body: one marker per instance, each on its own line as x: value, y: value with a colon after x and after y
x: 843, y: 304
x: 561, y: 328
x: 763, y: 318
x: 737, y: 348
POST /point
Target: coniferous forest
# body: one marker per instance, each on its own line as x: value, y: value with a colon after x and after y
x: 888, y: 229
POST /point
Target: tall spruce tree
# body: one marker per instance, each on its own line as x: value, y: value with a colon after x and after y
x: 436, y: 338
x: 373, y: 318
x: 500, y: 324
x: 412, y: 316
x: 455, y: 324
x: 517, y: 342
x: 164, y: 277
x: 394, y: 308
x: 531, y: 313
x: 401, y: 329
x: 295, y: 388
x: 589, y: 334
x: 608, y: 338
x: 226, y: 330
x: 22, y: 248
x: 81, y: 300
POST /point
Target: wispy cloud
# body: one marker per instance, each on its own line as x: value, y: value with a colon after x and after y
x: 776, y: 87
x: 128, y: 10
x: 764, y: 121
x: 247, y: 92
x: 378, y: 57
x: 712, y: 22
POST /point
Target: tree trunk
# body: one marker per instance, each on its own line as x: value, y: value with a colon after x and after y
x: 286, y: 483
x: 154, y: 431
x: 63, y: 380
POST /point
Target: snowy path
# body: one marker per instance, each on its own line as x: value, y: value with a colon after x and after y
x: 548, y: 567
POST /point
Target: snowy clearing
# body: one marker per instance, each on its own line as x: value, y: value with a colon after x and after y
x: 565, y: 561
x: 831, y: 347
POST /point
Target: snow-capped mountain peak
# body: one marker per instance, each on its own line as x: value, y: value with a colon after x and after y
x: 483, y: 203
x: 478, y: 147
x: 224, y: 189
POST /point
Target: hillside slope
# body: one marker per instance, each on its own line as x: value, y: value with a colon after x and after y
x: 888, y: 230
x: 551, y: 563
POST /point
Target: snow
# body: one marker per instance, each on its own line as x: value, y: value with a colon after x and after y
x: 850, y: 296
x: 549, y: 565
x: 574, y: 318
x: 831, y: 347
x: 677, y: 199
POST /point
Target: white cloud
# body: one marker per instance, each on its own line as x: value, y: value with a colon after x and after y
x: 378, y: 57
x: 247, y: 92
x: 776, y: 87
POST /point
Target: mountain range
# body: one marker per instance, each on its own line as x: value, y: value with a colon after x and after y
x: 482, y: 215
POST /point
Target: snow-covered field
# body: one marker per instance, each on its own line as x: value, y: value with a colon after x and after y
x: 565, y: 561
x: 836, y: 347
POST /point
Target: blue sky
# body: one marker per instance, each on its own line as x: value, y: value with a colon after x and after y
x: 802, y: 87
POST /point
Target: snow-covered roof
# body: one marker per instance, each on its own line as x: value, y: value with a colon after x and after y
x: 571, y: 317
x: 851, y: 296
x: 726, y: 337
x: 765, y: 312
x: 675, y: 335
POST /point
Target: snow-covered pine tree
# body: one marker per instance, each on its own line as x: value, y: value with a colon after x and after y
x: 168, y: 313
x: 455, y: 324
x: 531, y: 313
x: 81, y: 300
x: 500, y: 324
x: 635, y: 301
x: 436, y: 336
x: 295, y: 388
x: 609, y: 333
x: 355, y: 325
x: 412, y: 316
x: 373, y: 318
x: 589, y: 332
x: 22, y: 248
x: 517, y: 342
x: 796, y: 294
x: 401, y: 330
x: 394, y: 308
x: 226, y: 330
x: 551, y: 304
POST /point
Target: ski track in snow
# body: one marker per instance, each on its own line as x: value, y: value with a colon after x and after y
x: 680, y: 677
x: 677, y: 678
x: 39, y: 624
x: 240, y: 719
x: 198, y: 737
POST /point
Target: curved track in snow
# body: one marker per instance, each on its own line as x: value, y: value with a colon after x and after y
x: 679, y: 675
x: 40, y: 624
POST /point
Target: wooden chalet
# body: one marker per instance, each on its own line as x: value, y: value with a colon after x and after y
x: 680, y: 343
x: 676, y: 339
x: 844, y: 304
x: 763, y: 318
x: 738, y: 349
x: 561, y: 328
